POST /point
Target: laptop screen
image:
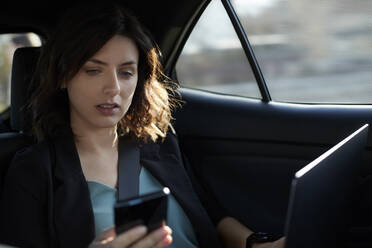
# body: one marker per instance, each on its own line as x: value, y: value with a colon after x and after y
x: 321, y: 195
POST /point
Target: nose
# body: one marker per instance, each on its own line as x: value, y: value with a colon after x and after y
x: 112, y: 85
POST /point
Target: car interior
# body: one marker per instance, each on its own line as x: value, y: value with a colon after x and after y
x: 244, y: 151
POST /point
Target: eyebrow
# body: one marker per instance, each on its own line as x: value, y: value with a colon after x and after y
x: 97, y: 61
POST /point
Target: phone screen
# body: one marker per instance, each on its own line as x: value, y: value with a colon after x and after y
x: 149, y: 210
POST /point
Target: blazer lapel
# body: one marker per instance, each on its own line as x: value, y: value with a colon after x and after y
x: 73, y: 213
x: 166, y: 165
x: 169, y: 174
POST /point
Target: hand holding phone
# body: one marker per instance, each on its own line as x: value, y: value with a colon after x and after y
x: 149, y: 210
x: 137, y: 235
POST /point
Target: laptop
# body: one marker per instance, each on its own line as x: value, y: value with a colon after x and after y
x: 321, y: 196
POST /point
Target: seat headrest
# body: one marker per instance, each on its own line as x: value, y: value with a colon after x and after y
x: 24, y: 63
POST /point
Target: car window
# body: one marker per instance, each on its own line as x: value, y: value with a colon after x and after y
x: 213, y: 58
x: 314, y: 52
x: 8, y: 44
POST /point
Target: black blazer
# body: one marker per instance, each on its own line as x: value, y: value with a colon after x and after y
x: 51, y: 207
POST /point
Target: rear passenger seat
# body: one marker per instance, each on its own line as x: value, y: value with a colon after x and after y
x: 24, y: 62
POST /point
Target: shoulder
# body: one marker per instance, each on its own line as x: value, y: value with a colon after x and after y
x: 34, y: 154
x: 166, y: 147
x: 29, y: 165
x: 170, y: 144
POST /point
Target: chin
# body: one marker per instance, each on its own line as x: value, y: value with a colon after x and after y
x: 106, y: 123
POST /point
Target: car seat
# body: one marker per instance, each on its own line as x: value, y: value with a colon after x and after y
x: 24, y: 62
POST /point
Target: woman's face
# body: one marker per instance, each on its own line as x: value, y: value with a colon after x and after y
x: 101, y: 92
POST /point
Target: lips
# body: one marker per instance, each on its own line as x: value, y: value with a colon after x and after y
x: 108, y: 109
x: 107, y: 106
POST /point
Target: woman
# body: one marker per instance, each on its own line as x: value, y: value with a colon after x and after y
x: 99, y: 78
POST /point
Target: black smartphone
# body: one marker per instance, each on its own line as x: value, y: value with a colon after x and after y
x: 149, y: 210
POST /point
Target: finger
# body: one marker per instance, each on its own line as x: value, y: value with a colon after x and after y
x: 108, y: 232
x: 165, y: 242
x: 279, y: 243
x: 129, y: 237
x: 282, y: 242
x: 153, y: 238
x: 168, y: 229
x: 104, y: 237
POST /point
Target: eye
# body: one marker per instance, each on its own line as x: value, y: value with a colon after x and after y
x: 126, y: 73
x: 92, y: 72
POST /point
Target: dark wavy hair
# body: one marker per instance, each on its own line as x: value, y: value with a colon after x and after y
x: 81, y: 32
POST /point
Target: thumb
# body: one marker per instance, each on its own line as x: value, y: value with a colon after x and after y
x: 108, y: 233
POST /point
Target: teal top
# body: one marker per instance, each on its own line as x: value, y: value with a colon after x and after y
x: 103, y: 198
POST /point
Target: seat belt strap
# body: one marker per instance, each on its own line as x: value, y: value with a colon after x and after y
x: 128, y: 168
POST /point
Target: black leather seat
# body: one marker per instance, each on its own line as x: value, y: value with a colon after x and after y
x: 24, y: 62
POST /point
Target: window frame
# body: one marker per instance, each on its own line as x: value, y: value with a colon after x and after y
x: 170, y: 64
x: 239, y: 30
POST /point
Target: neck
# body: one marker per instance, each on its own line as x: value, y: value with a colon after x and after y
x: 99, y: 140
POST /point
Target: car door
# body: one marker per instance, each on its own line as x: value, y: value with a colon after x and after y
x: 245, y: 147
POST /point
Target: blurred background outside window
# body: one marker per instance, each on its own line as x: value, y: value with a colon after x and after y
x: 213, y: 58
x: 8, y: 44
x: 309, y: 51
x: 312, y: 51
